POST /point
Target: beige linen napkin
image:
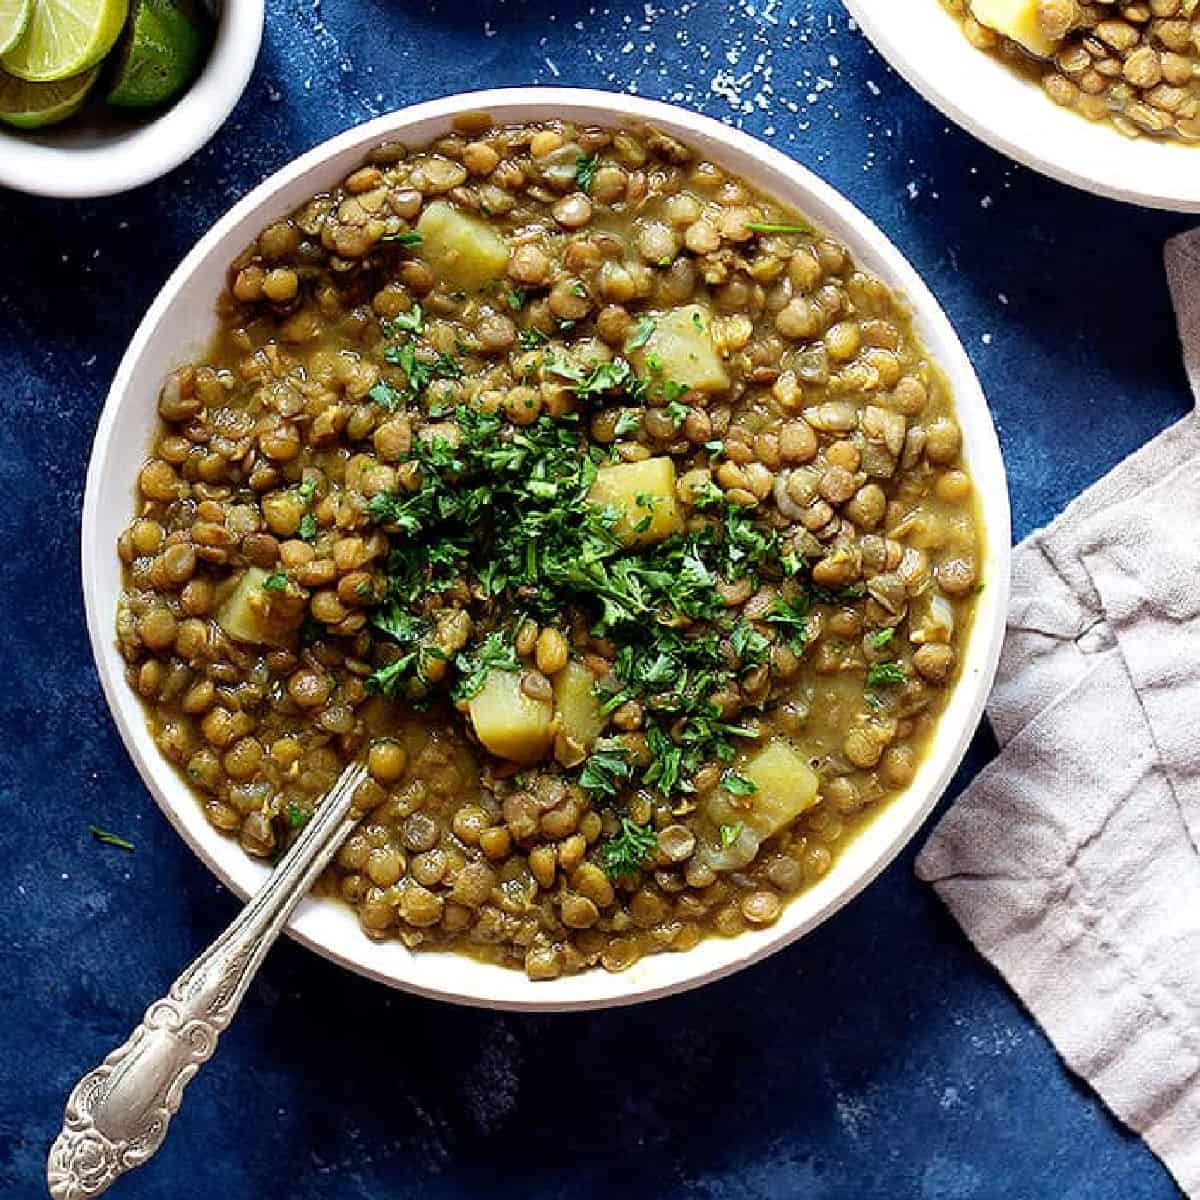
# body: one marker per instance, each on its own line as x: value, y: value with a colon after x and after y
x: 1071, y: 862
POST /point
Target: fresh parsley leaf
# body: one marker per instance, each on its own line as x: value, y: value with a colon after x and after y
x: 677, y: 412
x: 885, y: 674
x: 296, y: 816
x: 606, y: 772
x: 496, y: 654
x: 307, y: 529
x: 585, y: 171
x: 666, y: 762
x: 880, y: 638
x: 776, y: 227
x: 730, y: 834
x: 748, y: 644
x: 516, y: 298
x: 109, y: 839
x: 738, y: 785
x: 641, y: 335
x: 386, y: 395
x: 531, y: 339
x: 307, y: 490
x: 412, y: 321
x: 697, y: 322
x: 629, y: 851
x: 410, y: 237
x: 791, y: 614
x: 277, y: 581
x: 630, y: 421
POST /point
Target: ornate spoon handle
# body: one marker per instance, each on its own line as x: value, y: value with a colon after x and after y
x: 117, y: 1115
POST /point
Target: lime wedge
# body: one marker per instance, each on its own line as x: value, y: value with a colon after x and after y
x: 65, y: 37
x: 32, y: 105
x: 14, y: 17
x: 159, y: 55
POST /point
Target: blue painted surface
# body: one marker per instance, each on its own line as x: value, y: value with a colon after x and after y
x: 878, y: 1060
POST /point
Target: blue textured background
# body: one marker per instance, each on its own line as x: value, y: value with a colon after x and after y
x: 878, y: 1060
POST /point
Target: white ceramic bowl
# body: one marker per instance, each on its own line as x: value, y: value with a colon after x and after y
x: 180, y: 322
x: 977, y: 91
x: 98, y: 154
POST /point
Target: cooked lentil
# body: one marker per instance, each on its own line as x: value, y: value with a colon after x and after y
x: 1136, y: 66
x: 614, y: 516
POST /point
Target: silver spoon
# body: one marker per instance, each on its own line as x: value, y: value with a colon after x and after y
x: 117, y: 1114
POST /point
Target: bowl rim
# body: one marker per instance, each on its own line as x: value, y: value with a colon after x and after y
x: 150, y: 150
x: 990, y: 101
x: 331, y: 929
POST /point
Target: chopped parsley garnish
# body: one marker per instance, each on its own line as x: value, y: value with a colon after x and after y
x: 629, y: 851
x: 516, y: 298
x: 385, y: 395
x: 881, y: 638
x: 410, y: 237
x: 776, y: 227
x: 697, y: 322
x: 307, y: 529
x: 643, y: 332
x: 730, y: 834
x: 738, y: 785
x: 498, y: 520
x: 531, y: 339
x: 677, y: 412
x: 885, y: 674
x: 496, y: 654
x: 307, y: 490
x: 606, y: 773
x: 412, y: 321
x: 792, y: 614
x: 296, y: 816
x: 585, y: 171
x: 277, y: 581
x: 630, y: 421
x: 109, y: 839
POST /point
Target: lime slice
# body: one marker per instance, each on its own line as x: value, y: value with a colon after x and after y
x: 65, y: 37
x: 32, y: 105
x: 159, y: 55
x: 14, y: 17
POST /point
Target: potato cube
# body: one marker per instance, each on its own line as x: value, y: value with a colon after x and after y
x: 681, y: 350
x: 248, y: 613
x: 786, y: 784
x: 1015, y: 19
x: 644, y: 494
x: 579, y: 715
x: 509, y: 723
x: 464, y: 252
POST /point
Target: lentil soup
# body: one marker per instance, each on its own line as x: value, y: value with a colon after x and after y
x: 606, y: 508
x: 1135, y: 65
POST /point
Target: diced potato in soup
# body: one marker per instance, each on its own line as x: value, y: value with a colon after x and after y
x: 786, y: 785
x: 464, y: 251
x: 510, y: 723
x: 1016, y: 19
x: 681, y: 350
x: 579, y: 714
x: 644, y: 494
x: 246, y: 613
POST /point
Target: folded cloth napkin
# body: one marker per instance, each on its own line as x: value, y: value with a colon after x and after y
x: 1071, y: 862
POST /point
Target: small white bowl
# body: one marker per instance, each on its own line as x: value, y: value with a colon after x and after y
x: 979, y: 92
x: 181, y: 321
x: 98, y: 154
